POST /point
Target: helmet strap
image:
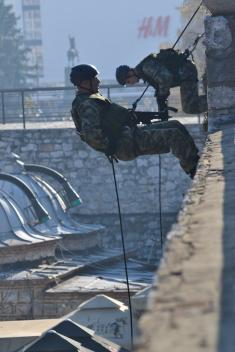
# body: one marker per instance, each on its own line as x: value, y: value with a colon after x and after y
x: 89, y: 90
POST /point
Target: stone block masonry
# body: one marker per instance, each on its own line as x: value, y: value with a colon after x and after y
x: 220, y: 45
x: 91, y: 175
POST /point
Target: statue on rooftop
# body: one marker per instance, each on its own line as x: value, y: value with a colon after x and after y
x: 72, y: 53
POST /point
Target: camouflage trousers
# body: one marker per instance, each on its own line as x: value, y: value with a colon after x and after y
x: 191, y: 101
x: 159, y: 138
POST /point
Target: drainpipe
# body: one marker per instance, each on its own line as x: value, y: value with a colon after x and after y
x: 72, y: 198
x: 40, y: 211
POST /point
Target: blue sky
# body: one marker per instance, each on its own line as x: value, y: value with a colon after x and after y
x: 107, y: 32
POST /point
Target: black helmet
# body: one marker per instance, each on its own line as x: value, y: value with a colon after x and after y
x: 82, y: 72
x: 121, y: 74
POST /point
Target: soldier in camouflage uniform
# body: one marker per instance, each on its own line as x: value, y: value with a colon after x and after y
x: 163, y: 71
x: 107, y: 127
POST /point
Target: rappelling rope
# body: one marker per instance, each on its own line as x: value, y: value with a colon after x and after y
x: 189, y: 22
x: 124, y: 249
x: 160, y: 200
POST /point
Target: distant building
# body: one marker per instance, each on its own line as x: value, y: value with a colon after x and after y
x: 32, y: 31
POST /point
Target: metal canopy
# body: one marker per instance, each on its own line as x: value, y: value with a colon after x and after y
x: 59, y: 222
x: 14, y: 230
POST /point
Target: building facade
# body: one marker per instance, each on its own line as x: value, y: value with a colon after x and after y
x: 32, y: 30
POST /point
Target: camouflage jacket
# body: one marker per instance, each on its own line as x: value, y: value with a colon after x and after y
x: 98, y: 121
x: 161, y: 70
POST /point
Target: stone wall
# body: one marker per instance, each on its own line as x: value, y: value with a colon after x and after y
x: 90, y: 173
x: 24, y: 299
x: 29, y: 299
x: 30, y: 252
x: 21, y: 299
x: 192, y: 305
x: 220, y: 53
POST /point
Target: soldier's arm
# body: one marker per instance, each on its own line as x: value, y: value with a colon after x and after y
x: 91, y: 132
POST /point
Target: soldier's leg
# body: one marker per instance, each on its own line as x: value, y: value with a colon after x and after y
x: 125, y: 148
x: 175, y: 124
x: 191, y: 102
x: 170, y: 124
x: 163, y: 140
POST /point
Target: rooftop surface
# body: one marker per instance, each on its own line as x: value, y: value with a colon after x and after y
x: 70, y: 264
x: 26, y: 327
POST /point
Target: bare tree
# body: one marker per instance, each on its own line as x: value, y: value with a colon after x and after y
x: 13, y: 61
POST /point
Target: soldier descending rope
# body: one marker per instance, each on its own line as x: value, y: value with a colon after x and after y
x: 109, y: 127
x: 163, y: 71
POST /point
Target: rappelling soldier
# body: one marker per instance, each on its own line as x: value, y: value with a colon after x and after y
x: 108, y: 127
x: 166, y: 70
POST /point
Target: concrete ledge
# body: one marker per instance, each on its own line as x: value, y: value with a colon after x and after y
x: 29, y: 252
x: 193, y: 302
x: 16, y: 334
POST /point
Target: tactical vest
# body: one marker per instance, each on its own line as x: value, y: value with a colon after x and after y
x: 140, y: 72
x: 169, y: 58
x: 112, y: 116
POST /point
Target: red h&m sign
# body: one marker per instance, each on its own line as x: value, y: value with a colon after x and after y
x: 154, y: 27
